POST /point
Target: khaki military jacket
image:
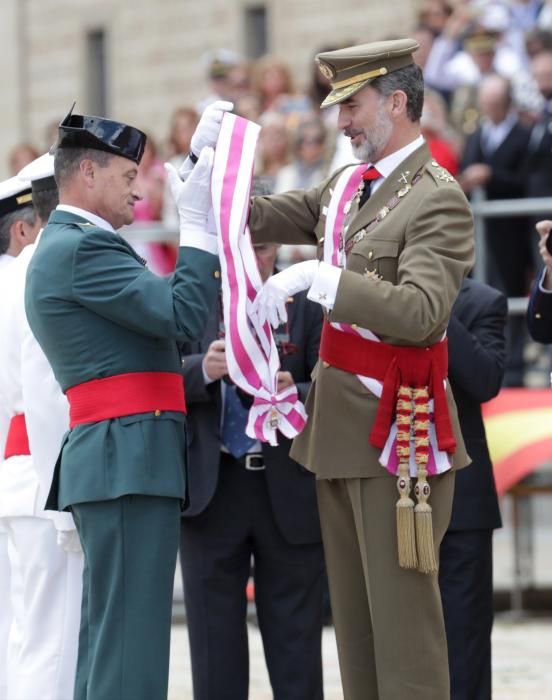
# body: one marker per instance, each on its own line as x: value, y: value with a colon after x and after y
x: 402, y: 276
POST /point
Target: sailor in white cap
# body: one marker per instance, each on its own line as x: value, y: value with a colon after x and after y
x: 17, y: 218
x: 44, y: 551
x: 17, y: 229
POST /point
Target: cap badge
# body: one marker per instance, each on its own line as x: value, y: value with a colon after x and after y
x: 326, y: 71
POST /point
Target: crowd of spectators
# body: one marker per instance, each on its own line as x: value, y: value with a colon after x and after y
x: 487, y: 119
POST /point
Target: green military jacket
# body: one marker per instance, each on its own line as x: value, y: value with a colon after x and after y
x: 402, y: 276
x: 97, y: 311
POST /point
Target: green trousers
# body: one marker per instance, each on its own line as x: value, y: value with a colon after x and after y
x: 130, y: 546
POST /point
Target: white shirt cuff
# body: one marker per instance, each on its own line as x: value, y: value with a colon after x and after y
x: 323, y: 290
x: 541, y: 283
x: 206, y: 378
x: 199, y: 239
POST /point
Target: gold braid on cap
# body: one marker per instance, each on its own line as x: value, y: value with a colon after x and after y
x: 359, y: 78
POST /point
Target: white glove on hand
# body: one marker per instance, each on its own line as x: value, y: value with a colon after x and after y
x: 207, y: 131
x: 69, y: 540
x: 193, y: 198
x: 270, y: 302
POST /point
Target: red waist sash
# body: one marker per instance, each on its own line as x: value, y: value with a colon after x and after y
x: 17, y: 442
x: 393, y: 365
x: 125, y: 395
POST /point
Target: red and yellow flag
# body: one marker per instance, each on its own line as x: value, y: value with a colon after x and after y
x: 518, y: 423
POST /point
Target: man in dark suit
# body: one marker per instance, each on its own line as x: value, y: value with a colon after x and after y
x: 539, y: 312
x: 492, y: 160
x: 538, y: 170
x: 250, y: 501
x: 476, y: 367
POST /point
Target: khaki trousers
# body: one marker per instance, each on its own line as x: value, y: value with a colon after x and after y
x: 388, y: 621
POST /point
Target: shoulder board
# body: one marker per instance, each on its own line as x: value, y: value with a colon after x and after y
x: 439, y: 173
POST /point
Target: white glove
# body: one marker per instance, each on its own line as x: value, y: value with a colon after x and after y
x: 193, y: 201
x: 270, y: 302
x: 207, y: 131
x: 69, y: 540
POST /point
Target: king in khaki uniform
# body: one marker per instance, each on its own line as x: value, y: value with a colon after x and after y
x: 109, y: 328
x: 392, y: 256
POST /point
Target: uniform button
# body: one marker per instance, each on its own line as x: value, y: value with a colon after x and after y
x: 538, y: 316
x: 370, y: 255
x: 216, y: 274
x: 157, y: 413
x: 326, y: 364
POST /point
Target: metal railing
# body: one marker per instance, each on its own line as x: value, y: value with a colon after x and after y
x: 502, y: 208
x: 156, y: 232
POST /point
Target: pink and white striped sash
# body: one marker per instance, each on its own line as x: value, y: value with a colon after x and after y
x: 346, y: 186
x: 251, y: 352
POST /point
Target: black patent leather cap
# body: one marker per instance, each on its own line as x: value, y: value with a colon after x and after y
x: 82, y: 131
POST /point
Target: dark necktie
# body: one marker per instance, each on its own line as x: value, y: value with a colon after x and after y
x: 368, y: 176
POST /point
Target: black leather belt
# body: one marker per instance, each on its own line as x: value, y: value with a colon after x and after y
x: 253, y: 461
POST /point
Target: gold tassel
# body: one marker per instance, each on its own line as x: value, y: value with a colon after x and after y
x: 427, y: 562
x: 406, y: 536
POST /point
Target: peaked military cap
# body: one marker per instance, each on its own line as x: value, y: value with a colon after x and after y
x: 82, y: 131
x: 40, y: 173
x: 481, y: 42
x: 220, y: 62
x: 351, y: 69
x: 14, y: 194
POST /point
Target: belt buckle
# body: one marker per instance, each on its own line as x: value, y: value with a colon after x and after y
x: 254, y: 462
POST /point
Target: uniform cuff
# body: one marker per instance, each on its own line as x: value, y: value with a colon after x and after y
x: 206, y: 378
x: 324, y: 287
x: 199, y: 239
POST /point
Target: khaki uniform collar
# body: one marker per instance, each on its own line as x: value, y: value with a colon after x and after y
x: 401, y: 176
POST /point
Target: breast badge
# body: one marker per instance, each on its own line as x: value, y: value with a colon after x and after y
x: 372, y: 275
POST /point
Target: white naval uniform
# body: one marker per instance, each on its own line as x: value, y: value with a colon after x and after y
x: 5, y: 259
x: 5, y: 578
x: 43, y: 644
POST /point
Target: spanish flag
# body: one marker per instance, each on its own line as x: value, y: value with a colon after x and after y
x: 518, y: 423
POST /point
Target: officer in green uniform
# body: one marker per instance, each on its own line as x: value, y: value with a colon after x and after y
x: 110, y: 328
